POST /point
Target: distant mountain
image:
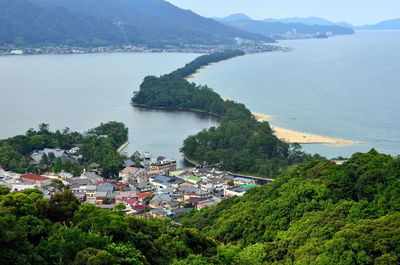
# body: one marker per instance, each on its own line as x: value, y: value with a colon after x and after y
x: 388, y: 24
x: 309, y: 21
x: 233, y: 17
x: 279, y: 27
x: 106, y: 22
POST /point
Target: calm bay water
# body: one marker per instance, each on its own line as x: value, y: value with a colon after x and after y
x: 81, y: 91
x: 346, y: 87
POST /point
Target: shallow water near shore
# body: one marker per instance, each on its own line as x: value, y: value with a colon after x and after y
x: 81, y: 91
x: 345, y: 87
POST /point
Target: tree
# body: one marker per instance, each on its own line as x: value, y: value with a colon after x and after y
x: 51, y: 156
x: 68, y: 166
x: 92, y: 256
x: 106, y: 201
x: 44, y: 162
x: 62, y: 207
x: 58, y: 165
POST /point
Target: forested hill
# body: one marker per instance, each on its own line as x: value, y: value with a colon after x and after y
x: 320, y: 213
x: 239, y: 144
x: 109, y: 22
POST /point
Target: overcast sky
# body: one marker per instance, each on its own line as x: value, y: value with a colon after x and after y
x: 356, y: 12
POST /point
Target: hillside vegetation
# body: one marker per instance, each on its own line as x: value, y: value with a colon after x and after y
x: 320, y: 213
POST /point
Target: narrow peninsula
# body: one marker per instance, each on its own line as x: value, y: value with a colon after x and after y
x: 240, y: 144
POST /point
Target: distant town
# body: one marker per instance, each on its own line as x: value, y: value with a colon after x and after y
x: 247, y: 46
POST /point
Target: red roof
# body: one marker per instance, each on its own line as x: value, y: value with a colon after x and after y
x: 131, y: 201
x: 33, y: 177
x: 143, y: 195
x: 139, y: 207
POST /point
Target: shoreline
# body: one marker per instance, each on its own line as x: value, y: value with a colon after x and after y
x: 122, y: 147
x: 286, y: 135
x: 291, y: 136
x: 175, y: 109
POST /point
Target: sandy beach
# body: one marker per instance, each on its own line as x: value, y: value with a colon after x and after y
x: 193, y: 76
x: 291, y: 136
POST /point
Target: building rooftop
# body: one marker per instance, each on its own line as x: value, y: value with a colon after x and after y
x: 33, y: 177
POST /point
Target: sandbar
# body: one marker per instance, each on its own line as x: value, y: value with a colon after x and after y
x: 291, y: 136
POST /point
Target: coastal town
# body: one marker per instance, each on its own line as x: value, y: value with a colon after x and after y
x: 155, y: 188
x: 245, y: 45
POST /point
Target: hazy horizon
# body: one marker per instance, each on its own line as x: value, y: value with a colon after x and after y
x: 355, y: 12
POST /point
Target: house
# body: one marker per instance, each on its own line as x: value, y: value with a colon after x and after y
x: 144, y: 187
x: 242, y: 181
x: 65, y: 175
x: 100, y: 196
x: 79, y: 189
x: 121, y: 186
x: 160, y: 182
x: 195, y: 200
x: 179, y: 171
x: 193, y: 179
x: 34, y: 179
x: 64, y: 159
x: 238, y: 191
x: 95, y: 167
x: 105, y: 188
x: 163, y: 164
x: 128, y: 172
x: 127, y: 194
x: 21, y: 187
x: 112, y: 196
x: 181, y: 211
x: 153, y: 172
x: 170, y: 205
x: 207, y: 203
x: 128, y: 163
x: 81, y: 196
x: 131, y: 202
x: 93, y: 177
x: 159, y: 199
x: 91, y: 193
x: 158, y: 213
x: 197, y: 194
x: 186, y: 184
x: 142, y: 196
x: 37, y: 156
